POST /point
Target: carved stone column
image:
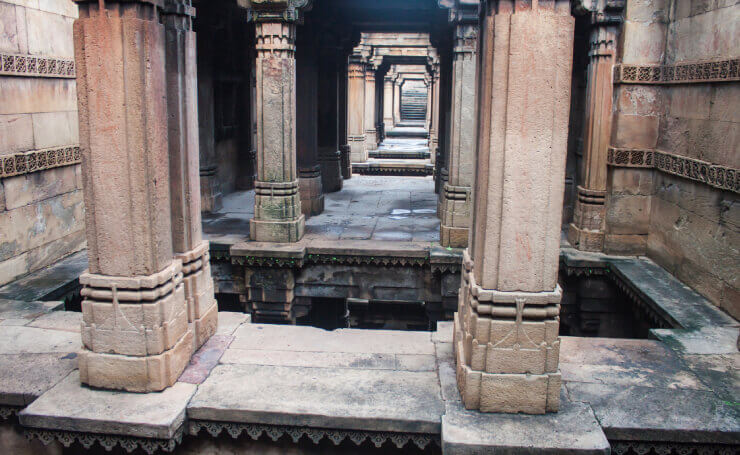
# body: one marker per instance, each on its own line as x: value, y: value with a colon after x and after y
x: 277, y: 204
x: 433, y: 112
x: 388, y: 101
x: 456, y: 200
x: 397, y: 100
x: 135, y: 331
x: 210, y: 187
x: 185, y: 190
x: 586, y: 232
x: 309, y: 169
x: 328, y: 116
x: 506, y: 328
x: 356, y: 108
x: 371, y: 138
x: 344, y: 148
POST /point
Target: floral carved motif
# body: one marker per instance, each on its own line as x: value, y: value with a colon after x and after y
x: 682, y: 73
x: 31, y: 65
x: 721, y: 177
x: 38, y: 160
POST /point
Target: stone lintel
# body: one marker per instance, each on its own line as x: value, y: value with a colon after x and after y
x: 71, y: 406
x: 529, y: 298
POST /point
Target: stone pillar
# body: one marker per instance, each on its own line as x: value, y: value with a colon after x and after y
x: 397, y: 101
x: 586, y: 232
x: 277, y: 204
x: 434, y: 124
x: 306, y: 124
x: 185, y: 190
x: 456, y: 198
x: 428, y: 112
x: 328, y: 118
x: 210, y: 188
x: 344, y: 148
x: 506, y: 328
x: 388, y: 101
x: 371, y: 139
x: 356, y: 108
x: 135, y: 332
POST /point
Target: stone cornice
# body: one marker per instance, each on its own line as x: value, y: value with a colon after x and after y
x: 720, y: 177
x: 681, y: 73
x: 601, y: 12
x: 36, y: 66
x: 277, y: 10
x: 38, y: 160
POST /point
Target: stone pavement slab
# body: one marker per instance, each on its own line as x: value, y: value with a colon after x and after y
x: 20, y: 309
x: 625, y: 362
x: 69, y: 321
x: 70, y: 406
x: 720, y: 372
x: 229, y: 321
x: 708, y: 340
x: 337, y: 398
x: 29, y: 340
x: 311, y: 339
x: 49, y: 283
x: 24, y: 377
x: 635, y: 413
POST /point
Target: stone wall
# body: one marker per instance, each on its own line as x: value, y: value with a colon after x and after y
x: 41, y: 207
x: 694, y: 227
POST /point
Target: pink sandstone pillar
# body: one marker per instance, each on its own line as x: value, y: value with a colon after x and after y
x: 456, y: 201
x: 388, y: 101
x: 397, y: 99
x: 135, y: 330
x: 506, y: 328
x: 434, y: 111
x: 277, y: 204
x: 185, y: 191
x: 356, y: 108
x: 586, y: 232
x: 371, y: 138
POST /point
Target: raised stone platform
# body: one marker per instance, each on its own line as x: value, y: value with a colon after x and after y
x: 407, y: 132
x: 399, y: 167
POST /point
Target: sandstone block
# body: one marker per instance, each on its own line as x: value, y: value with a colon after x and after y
x: 21, y: 190
x: 55, y: 129
x: 628, y: 214
x: 9, y: 29
x: 29, y: 95
x: 689, y: 101
x: 16, y: 133
x: 204, y: 327
x: 635, y: 131
x: 643, y: 42
x: 136, y: 373
x: 49, y: 34
x: 62, y: 7
x: 641, y: 100
x: 13, y: 267
x: 514, y: 393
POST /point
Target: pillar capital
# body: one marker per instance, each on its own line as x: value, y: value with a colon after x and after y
x: 277, y: 10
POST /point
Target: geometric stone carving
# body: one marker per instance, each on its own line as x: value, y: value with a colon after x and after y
x: 35, y: 66
x: 687, y: 72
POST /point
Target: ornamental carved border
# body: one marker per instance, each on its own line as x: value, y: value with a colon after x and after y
x: 34, y: 66
x: 681, y: 73
x: 106, y: 441
x: 38, y: 160
x: 721, y: 177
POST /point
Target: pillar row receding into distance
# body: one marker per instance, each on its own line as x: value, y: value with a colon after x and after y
x: 433, y: 94
x: 277, y: 204
x: 148, y: 287
x: 456, y: 199
x: 388, y: 100
x: 586, y: 232
x: 506, y: 328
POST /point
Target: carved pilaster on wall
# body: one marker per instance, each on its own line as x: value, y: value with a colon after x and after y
x: 714, y: 175
x: 38, y: 160
x: 35, y: 66
x: 727, y: 70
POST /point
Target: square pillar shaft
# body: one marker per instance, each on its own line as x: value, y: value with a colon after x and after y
x: 456, y: 200
x: 371, y: 138
x: 187, y: 238
x: 277, y: 205
x: 356, y: 109
x: 135, y: 330
x: 506, y: 328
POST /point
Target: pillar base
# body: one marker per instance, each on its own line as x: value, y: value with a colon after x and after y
x: 210, y: 191
x: 330, y: 161
x: 277, y: 212
x: 358, y: 152
x: 202, y: 308
x: 346, y: 161
x: 439, y: 185
x: 454, y: 216
x: 135, y: 331
x: 586, y: 232
x: 507, y: 348
x: 311, y: 191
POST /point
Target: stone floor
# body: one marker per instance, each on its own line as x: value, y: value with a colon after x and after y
x: 367, y: 208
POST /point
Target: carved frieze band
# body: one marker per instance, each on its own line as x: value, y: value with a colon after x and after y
x: 38, y: 160
x: 34, y: 66
x: 682, y: 73
x: 722, y: 177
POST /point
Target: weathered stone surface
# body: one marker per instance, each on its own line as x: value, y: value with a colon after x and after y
x: 29, y: 340
x: 20, y: 309
x: 45, y: 281
x: 707, y: 340
x: 16, y: 133
x: 572, y: 430
x: 321, y: 397
x: 30, y: 95
x: 720, y: 372
x: 640, y: 413
x: 49, y: 33
x: 24, y: 377
x: 68, y: 321
x: 9, y: 32
x: 55, y: 129
x: 70, y: 406
x: 28, y: 189
x: 229, y: 321
x: 311, y: 339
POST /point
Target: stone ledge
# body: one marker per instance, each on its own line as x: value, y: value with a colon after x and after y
x: 73, y: 407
